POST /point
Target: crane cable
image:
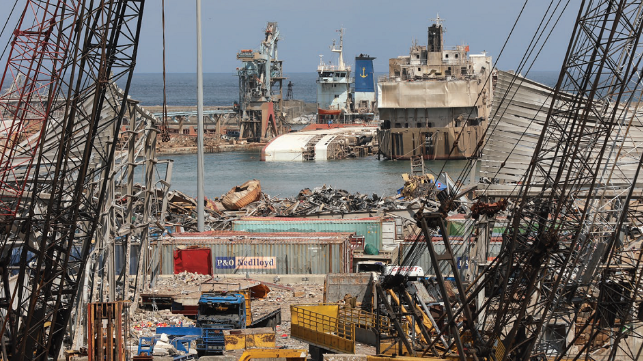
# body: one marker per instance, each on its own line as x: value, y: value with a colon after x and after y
x: 5, y: 26
x: 165, y: 134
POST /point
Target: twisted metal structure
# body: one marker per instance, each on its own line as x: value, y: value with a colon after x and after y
x: 564, y: 285
x: 52, y: 215
x: 543, y: 276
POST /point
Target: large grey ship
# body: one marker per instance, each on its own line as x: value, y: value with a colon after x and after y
x: 433, y: 96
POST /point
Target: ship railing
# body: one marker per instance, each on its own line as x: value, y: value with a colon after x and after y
x: 332, y: 68
x: 386, y: 78
x: 454, y: 62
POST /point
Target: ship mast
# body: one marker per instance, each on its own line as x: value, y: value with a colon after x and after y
x: 340, y: 65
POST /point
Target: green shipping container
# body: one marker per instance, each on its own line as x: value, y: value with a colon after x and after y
x: 369, y: 228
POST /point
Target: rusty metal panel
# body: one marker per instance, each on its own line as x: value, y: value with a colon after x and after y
x: 105, y: 328
x: 354, y: 284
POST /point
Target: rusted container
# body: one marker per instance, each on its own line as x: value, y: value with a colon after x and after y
x: 370, y: 228
x: 265, y: 253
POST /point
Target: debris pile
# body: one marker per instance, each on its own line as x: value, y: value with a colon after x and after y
x: 144, y: 323
x: 220, y: 212
x: 322, y: 199
x: 416, y: 186
x: 182, y: 281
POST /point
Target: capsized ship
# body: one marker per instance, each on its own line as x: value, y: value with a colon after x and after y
x: 432, y: 96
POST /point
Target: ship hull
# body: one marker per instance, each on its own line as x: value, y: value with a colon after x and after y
x: 431, y: 143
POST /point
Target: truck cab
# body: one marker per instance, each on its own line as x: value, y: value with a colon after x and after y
x: 375, y: 267
x: 412, y: 272
x: 218, y: 312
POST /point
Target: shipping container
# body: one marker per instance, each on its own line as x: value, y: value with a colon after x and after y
x: 264, y: 253
x: 369, y: 228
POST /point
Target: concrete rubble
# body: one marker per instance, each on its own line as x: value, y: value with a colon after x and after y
x: 143, y: 323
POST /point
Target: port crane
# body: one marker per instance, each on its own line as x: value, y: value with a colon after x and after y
x: 260, y: 109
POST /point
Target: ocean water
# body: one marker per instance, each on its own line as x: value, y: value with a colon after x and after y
x: 223, y: 88
x: 218, y: 88
x: 285, y: 179
x: 225, y: 170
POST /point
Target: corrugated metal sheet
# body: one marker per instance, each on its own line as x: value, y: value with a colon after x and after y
x: 261, y: 253
x: 388, y: 232
x: 460, y: 249
x: 119, y: 258
x: 369, y: 228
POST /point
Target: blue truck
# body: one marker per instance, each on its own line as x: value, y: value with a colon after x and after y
x: 218, y: 312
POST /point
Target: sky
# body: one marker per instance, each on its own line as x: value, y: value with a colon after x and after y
x: 384, y: 29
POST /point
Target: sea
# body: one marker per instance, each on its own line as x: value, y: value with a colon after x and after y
x: 368, y: 175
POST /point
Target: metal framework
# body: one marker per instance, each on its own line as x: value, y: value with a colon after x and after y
x: 563, y: 285
x: 39, y: 51
x: 50, y: 237
x: 548, y: 267
x: 261, y: 71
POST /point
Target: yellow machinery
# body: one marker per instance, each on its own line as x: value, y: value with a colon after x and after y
x: 262, y: 338
x: 320, y: 325
x: 288, y: 354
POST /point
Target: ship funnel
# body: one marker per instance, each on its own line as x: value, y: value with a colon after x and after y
x: 435, y: 39
x: 364, y: 79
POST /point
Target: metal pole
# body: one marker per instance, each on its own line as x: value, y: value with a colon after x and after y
x: 199, y: 85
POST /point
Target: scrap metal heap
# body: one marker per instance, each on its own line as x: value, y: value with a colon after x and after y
x: 261, y: 110
x: 58, y: 136
x: 567, y: 281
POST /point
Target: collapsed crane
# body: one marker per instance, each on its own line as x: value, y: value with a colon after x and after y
x: 260, y: 108
x: 563, y: 286
x: 58, y: 145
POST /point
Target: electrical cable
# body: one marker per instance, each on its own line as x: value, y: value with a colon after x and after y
x: 5, y: 26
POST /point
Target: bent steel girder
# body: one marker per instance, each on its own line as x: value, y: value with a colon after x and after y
x: 39, y: 50
x: 542, y: 274
x: 67, y: 187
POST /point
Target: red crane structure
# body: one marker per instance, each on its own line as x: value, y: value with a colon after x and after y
x: 59, y: 123
x: 39, y: 51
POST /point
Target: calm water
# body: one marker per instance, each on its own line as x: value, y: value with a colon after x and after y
x: 218, y: 88
x: 225, y: 170
x: 223, y: 88
x: 364, y: 175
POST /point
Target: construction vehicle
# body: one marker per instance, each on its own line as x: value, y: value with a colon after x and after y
x: 291, y: 355
x: 217, y: 312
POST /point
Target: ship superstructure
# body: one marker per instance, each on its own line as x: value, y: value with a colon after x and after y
x: 335, y: 101
x: 431, y: 96
x: 364, y: 96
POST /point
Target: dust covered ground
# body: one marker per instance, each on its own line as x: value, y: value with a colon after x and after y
x: 189, y: 286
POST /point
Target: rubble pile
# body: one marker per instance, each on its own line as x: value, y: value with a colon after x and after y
x: 322, y: 199
x: 182, y: 281
x: 144, y: 323
x: 325, y: 199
